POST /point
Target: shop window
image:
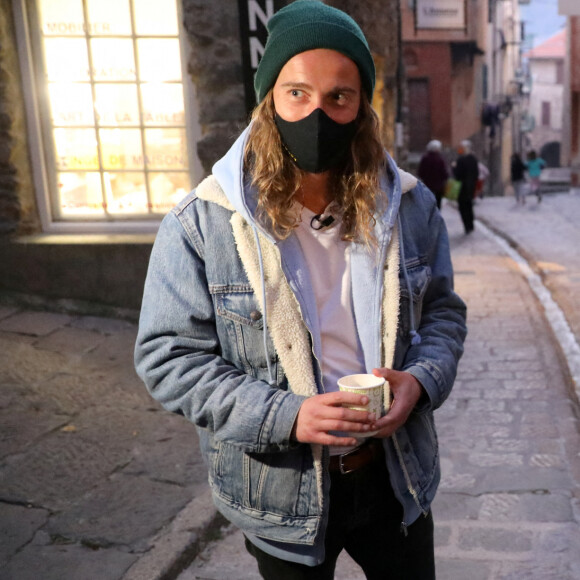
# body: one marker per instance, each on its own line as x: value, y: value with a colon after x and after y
x: 116, y: 135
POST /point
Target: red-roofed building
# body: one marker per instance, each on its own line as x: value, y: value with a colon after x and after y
x: 546, y: 65
x: 554, y: 47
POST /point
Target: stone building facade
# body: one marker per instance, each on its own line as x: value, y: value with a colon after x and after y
x: 546, y: 64
x: 17, y: 204
x: 571, y: 105
x: 107, y: 266
x: 443, y: 56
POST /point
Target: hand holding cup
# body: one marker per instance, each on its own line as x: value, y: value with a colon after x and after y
x: 372, y: 387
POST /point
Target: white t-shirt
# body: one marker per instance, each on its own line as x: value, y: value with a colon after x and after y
x: 328, y: 259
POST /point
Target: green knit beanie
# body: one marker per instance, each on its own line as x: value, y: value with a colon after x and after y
x: 306, y: 25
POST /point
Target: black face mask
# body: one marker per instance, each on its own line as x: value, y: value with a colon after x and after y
x: 316, y: 143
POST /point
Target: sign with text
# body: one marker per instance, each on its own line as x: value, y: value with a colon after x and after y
x: 440, y: 14
x: 254, y: 16
x: 569, y: 7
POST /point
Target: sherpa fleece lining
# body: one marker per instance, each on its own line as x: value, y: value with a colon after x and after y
x: 287, y: 329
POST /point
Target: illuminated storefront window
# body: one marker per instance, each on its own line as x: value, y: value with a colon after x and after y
x: 117, y: 142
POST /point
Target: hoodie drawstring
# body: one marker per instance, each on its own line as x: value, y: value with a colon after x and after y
x: 415, y: 336
x: 272, y: 380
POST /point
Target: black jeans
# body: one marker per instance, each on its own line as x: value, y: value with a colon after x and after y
x: 465, y: 203
x: 365, y: 520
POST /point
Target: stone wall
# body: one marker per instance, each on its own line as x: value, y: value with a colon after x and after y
x: 18, y: 210
x: 215, y: 65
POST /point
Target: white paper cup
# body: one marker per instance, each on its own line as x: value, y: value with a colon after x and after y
x: 372, y: 387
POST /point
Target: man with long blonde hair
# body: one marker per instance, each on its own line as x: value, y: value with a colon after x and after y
x: 306, y: 256
x: 353, y: 184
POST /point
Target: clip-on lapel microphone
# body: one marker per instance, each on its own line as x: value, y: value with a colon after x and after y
x: 321, y: 223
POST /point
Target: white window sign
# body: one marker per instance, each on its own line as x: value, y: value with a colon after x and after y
x: 441, y: 14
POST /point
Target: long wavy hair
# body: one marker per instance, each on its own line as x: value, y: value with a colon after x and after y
x: 355, y: 183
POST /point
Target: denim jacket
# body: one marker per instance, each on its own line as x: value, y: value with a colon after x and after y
x: 228, y: 337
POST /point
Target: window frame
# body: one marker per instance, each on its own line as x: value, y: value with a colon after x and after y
x: 546, y: 112
x: 39, y: 129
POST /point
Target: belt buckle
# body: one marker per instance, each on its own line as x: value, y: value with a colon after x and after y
x: 341, y: 468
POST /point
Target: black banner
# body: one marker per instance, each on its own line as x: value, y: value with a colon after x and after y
x: 254, y: 15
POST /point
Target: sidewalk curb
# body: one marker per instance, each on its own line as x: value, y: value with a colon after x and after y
x: 572, y: 445
x: 179, y: 543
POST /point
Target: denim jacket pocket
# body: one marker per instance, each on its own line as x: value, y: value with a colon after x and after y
x: 240, y: 324
x: 276, y: 483
x: 419, y: 274
x: 420, y: 449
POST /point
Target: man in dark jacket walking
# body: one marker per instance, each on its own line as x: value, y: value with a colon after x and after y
x: 466, y: 171
x: 517, y: 174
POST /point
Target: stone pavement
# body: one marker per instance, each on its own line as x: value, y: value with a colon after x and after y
x: 509, y: 500
x: 92, y: 472
x: 97, y: 482
x: 547, y: 234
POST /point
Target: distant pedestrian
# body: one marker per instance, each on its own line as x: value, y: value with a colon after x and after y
x: 518, y: 178
x: 433, y: 170
x: 466, y: 170
x: 535, y: 165
x: 482, y: 175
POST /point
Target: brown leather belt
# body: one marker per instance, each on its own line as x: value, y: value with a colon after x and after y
x: 369, y: 451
